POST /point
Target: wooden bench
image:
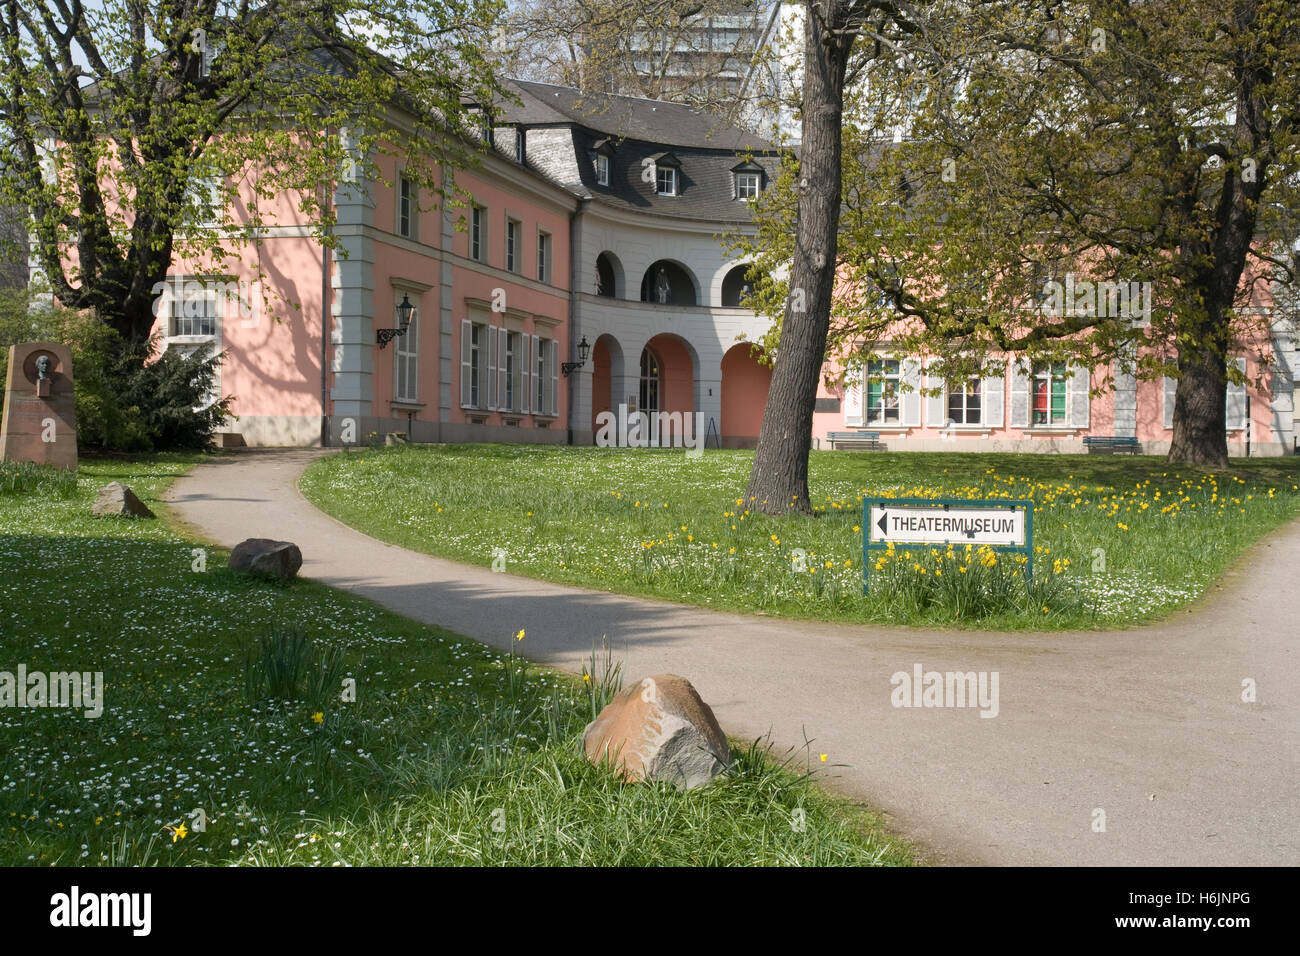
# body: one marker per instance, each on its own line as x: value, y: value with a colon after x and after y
x: 868, y: 440
x: 1111, y: 444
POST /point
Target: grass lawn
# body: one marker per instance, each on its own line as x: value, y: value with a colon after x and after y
x: 450, y: 754
x: 1120, y: 539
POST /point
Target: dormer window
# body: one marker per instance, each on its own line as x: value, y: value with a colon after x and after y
x: 666, y: 181
x: 602, y: 151
x: 668, y: 178
x: 746, y: 181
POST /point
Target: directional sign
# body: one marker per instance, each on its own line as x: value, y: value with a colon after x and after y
x: 997, y: 523
x: 928, y: 524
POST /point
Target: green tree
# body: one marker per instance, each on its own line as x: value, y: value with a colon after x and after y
x: 799, y: 228
x: 133, y: 121
x: 1111, y: 141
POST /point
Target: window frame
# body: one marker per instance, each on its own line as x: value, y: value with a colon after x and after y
x: 543, y: 346
x: 601, y: 163
x: 1049, y: 375
x: 974, y: 384
x: 514, y: 244
x: 406, y: 206
x: 671, y: 172
x: 406, y: 348
x: 478, y: 220
x: 477, y: 358
x: 543, y: 256
x: 751, y: 178
x: 877, y: 412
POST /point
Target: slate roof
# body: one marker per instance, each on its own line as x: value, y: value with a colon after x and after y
x: 565, y: 126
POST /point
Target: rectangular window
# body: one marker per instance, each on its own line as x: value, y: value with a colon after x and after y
x: 543, y: 346
x: 602, y: 170
x: 405, y: 207
x: 1050, y: 384
x: 193, y: 306
x: 405, y: 355
x: 512, y: 245
x: 746, y: 185
x: 666, y: 181
x: 476, y: 219
x: 512, y: 347
x: 475, y: 365
x: 964, y: 405
x: 882, y: 391
x: 544, y: 257
x: 204, y: 199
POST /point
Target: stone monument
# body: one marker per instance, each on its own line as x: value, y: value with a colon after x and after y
x: 40, y: 416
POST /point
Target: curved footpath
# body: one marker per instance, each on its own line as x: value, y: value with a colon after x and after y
x: 1147, y: 725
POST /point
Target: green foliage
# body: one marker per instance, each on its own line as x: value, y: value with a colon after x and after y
x: 129, y: 397
x: 25, y: 478
x: 179, y: 113
x: 287, y: 665
x: 994, y: 146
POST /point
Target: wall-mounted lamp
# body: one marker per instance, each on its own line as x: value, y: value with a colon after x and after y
x: 583, y: 350
x: 404, y: 310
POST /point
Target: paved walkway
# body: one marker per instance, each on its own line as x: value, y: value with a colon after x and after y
x: 1147, y: 724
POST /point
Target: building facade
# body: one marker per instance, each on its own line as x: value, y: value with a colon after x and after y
x: 601, y: 221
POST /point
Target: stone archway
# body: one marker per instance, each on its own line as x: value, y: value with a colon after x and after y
x: 745, y: 383
x: 606, y: 376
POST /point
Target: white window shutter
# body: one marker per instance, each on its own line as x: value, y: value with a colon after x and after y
x: 1019, y: 395
x: 1077, y: 399
x: 554, y: 397
x: 1168, y: 389
x: 492, y: 367
x: 936, y: 412
x: 1235, y: 407
x: 909, y: 399
x: 466, y: 358
x: 853, y: 398
x: 991, y: 401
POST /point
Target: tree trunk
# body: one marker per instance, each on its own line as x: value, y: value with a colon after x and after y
x: 1200, y: 437
x: 778, y: 481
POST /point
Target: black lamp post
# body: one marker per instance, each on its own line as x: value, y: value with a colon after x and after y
x: 583, y: 350
x: 404, y: 310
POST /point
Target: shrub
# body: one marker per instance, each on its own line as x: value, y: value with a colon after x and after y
x: 129, y: 397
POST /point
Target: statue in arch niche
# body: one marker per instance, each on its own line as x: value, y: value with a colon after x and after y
x: 663, y: 288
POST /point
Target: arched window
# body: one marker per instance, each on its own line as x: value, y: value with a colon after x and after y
x: 667, y: 283
x: 605, y: 276
x: 649, y: 382
x: 736, y: 285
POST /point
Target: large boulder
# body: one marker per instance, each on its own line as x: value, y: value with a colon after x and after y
x: 277, y: 559
x: 117, y: 499
x: 659, y: 729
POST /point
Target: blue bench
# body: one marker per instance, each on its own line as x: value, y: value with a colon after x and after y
x: 868, y: 440
x: 1111, y: 444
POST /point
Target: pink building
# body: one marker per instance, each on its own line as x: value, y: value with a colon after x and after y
x: 599, y: 220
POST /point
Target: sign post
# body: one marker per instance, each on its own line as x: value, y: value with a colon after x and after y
x: 997, y: 523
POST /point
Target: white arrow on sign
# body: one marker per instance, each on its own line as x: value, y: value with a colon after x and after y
x: 931, y: 524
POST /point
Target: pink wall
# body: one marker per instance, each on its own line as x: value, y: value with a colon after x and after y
x: 744, y: 392
x: 676, y: 373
